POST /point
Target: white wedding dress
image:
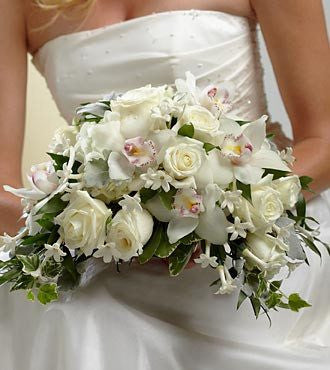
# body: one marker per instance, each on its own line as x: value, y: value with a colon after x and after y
x: 141, y: 319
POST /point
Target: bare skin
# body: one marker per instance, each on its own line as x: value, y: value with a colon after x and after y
x: 297, y: 43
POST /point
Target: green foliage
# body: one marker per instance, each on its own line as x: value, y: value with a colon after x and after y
x: 147, y: 194
x: 305, y: 181
x: 30, y: 263
x: 208, y: 147
x: 38, y: 239
x: 241, y: 298
x: 54, y: 205
x: 179, y: 258
x: 296, y: 303
x: 23, y: 282
x: 246, y: 190
x: 277, y: 174
x: 167, y: 197
x: 30, y: 295
x: 96, y: 173
x: 60, y: 160
x: 47, y: 293
x: 69, y: 277
x: 152, y: 245
x: 187, y: 130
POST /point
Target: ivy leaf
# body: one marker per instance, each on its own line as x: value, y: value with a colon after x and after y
x: 256, y: 305
x: 246, y: 190
x: 167, y: 197
x: 301, y: 209
x: 296, y: 303
x: 147, y: 194
x: 275, y: 285
x: 30, y: 295
x: 96, y: 173
x: 30, y: 263
x: 179, y: 259
x: 47, y: 293
x: 165, y: 248
x: 311, y: 245
x: 51, y: 268
x: 54, y: 205
x: 241, y: 298
x: 187, y: 130
x: 273, y: 300
x: 153, y: 243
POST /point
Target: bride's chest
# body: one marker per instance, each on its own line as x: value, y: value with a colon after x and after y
x: 44, y: 25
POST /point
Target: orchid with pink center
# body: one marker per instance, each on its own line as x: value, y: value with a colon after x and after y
x: 244, y: 154
x: 136, y: 153
x: 193, y: 212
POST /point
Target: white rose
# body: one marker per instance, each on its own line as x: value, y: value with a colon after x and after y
x: 183, y: 160
x: 264, y: 253
x: 289, y: 189
x: 129, y: 231
x: 206, y: 126
x: 95, y: 141
x: 63, y: 138
x: 135, y: 107
x: 83, y: 223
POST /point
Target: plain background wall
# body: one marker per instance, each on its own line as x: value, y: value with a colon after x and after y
x: 43, y: 117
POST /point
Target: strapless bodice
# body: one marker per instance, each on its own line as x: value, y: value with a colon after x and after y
x: 157, y: 49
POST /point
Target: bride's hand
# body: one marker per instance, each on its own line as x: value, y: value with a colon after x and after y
x: 10, y: 212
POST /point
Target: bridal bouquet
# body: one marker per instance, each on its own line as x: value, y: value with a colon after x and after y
x: 158, y: 172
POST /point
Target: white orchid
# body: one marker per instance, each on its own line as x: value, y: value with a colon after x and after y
x: 193, y: 212
x: 245, y: 153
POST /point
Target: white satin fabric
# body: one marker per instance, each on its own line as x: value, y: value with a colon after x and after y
x: 142, y: 319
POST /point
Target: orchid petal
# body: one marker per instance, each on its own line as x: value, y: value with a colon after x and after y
x: 212, y: 226
x: 221, y: 167
x: 156, y: 207
x: 179, y: 227
x: 248, y: 174
x: 256, y: 132
x: 25, y: 193
x: 230, y: 127
x: 268, y: 159
x: 119, y: 167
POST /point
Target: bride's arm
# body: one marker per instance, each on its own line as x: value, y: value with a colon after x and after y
x: 12, y: 107
x: 296, y: 39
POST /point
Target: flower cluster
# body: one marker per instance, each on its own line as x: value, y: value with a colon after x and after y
x: 154, y: 173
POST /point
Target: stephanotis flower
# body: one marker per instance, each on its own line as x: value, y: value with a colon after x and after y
x: 226, y: 281
x: 155, y: 179
x: 245, y: 153
x: 205, y: 259
x: 137, y: 152
x: 193, y: 212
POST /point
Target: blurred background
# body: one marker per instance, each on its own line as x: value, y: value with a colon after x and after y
x: 43, y: 117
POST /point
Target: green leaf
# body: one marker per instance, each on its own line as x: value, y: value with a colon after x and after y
x: 256, y: 305
x: 167, y: 197
x: 9, y: 276
x: 30, y: 263
x: 96, y: 173
x: 215, y: 282
x: 273, y: 300
x: 165, y: 248
x: 69, y: 277
x: 30, y: 295
x: 305, y: 181
x: 147, y: 194
x: 262, y: 286
x: 277, y: 174
x: 54, y: 205
x: 51, y: 268
x: 311, y: 245
x: 326, y: 245
x: 270, y: 136
x: 275, y: 285
x: 46, y: 224
x: 296, y: 303
x: 301, y: 208
x: 208, y: 147
x: 241, y: 298
x: 241, y: 122
x: 187, y: 130
x: 59, y: 160
x: 246, y: 190
x: 38, y: 239
x: 153, y: 243
x: 179, y: 259
x: 47, y: 293
x: 23, y: 282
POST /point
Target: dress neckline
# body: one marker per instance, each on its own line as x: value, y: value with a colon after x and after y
x: 128, y: 22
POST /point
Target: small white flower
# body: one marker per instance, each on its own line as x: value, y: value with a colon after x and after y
x: 286, y: 155
x: 227, y: 285
x: 238, y: 228
x: 164, y: 110
x: 230, y: 199
x: 129, y: 203
x: 54, y: 251
x: 8, y: 243
x: 205, y: 259
x: 107, y: 252
x: 156, y: 179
